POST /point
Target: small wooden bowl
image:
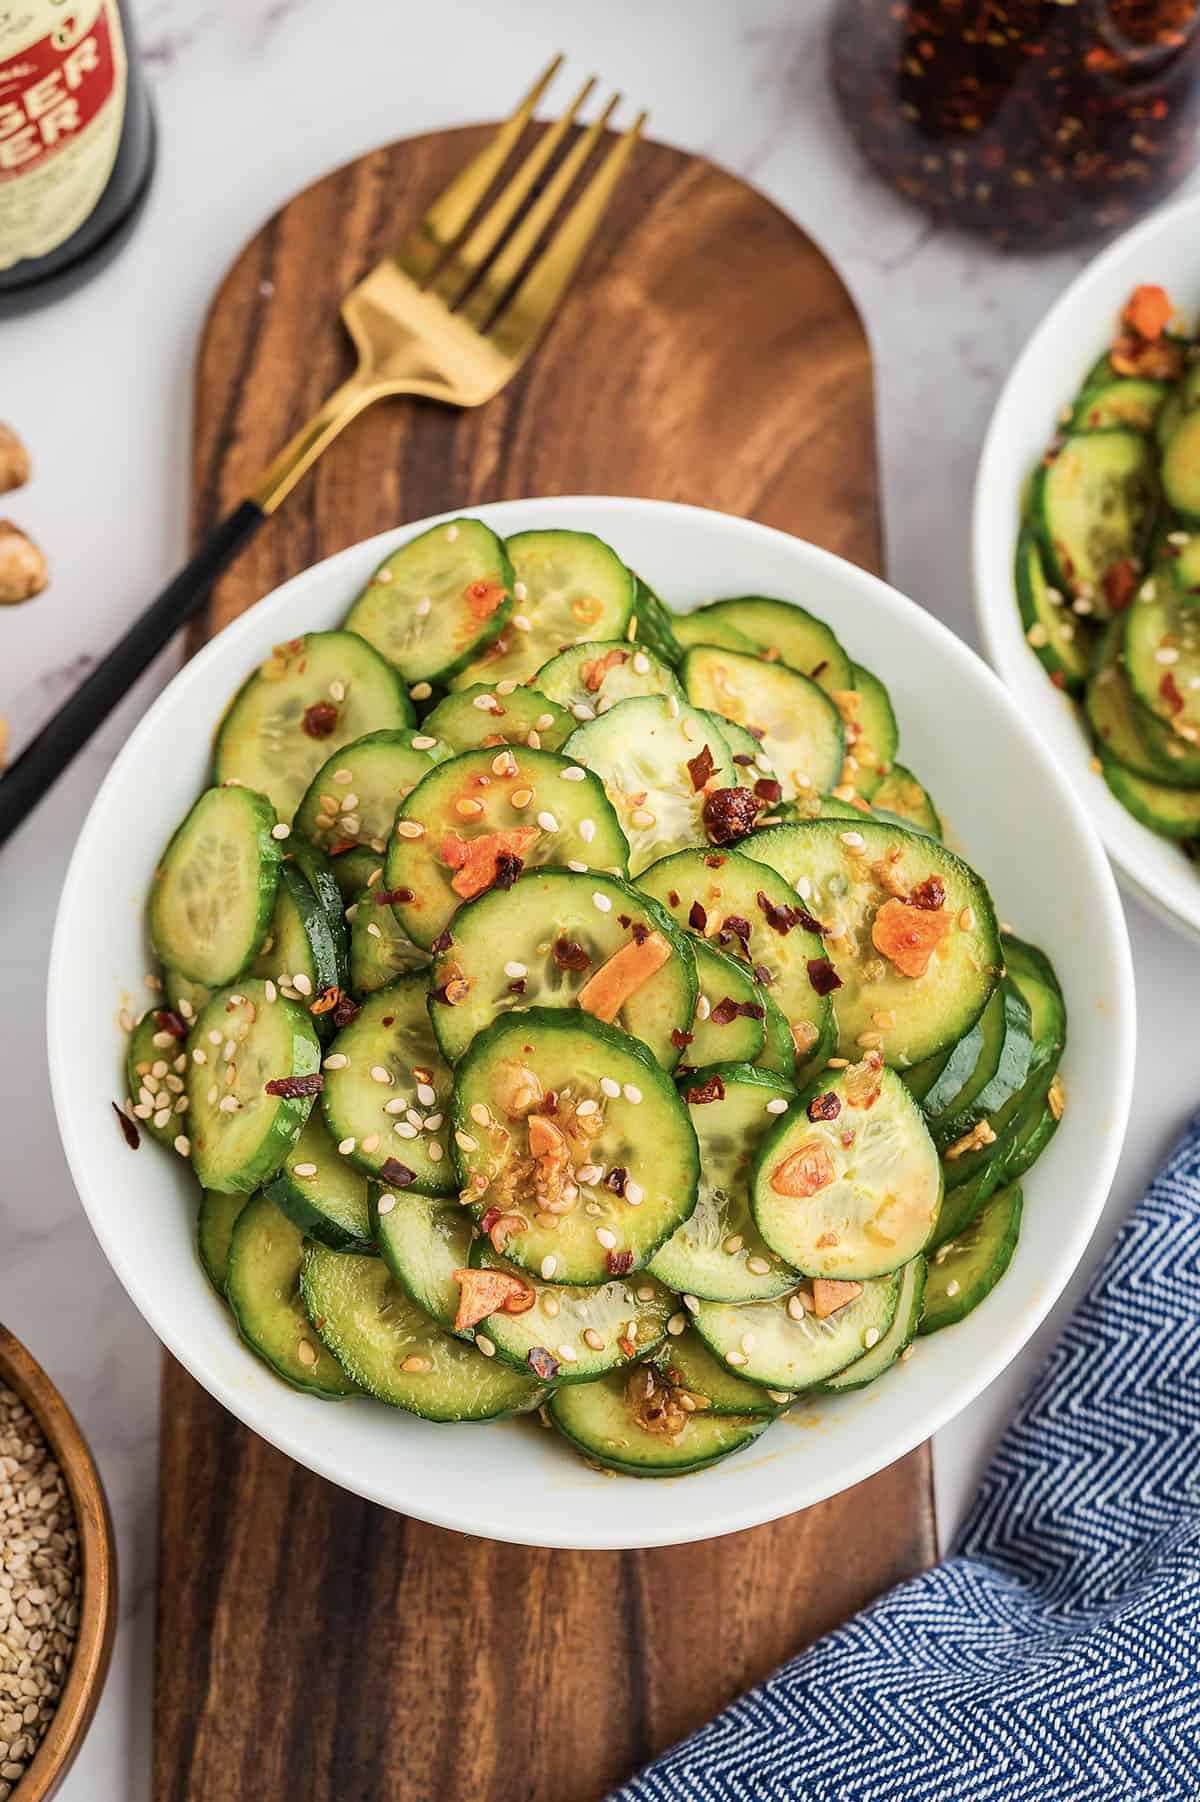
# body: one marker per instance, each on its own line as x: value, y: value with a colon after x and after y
x: 98, y: 1572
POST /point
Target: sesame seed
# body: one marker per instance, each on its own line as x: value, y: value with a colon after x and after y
x: 547, y: 822
x: 747, y: 1342
x: 424, y: 607
x: 374, y: 931
x: 871, y: 1337
x: 543, y: 722
x: 1180, y: 538
x: 302, y: 983
x: 676, y: 1325
x: 425, y: 1094
x: 641, y: 817
x: 580, y: 869
x: 634, y: 1193
x: 379, y: 1073
x: 592, y: 1337
x: 610, y: 1088
x: 1037, y: 635
x: 420, y: 691
x: 183, y: 1145
x: 371, y: 1143
x: 324, y: 821
x: 952, y: 1288
x: 837, y: 1063
x: 416, y: 1366
x: 582, y: 711
x: 410, y: 829
x: 1082, y: 607
x: 520, y: 592
x: 758, y: 1266
x: 485, y: 703
x: 306, y: 1353
x: 504, y: 764
x: 281, y: 831
x: 337, y: 1060
x: 467, y: 808
x: 521, y: 623
x: 304, y: 1170
x: 404, y: 1129
x: 736, y: 1358
x: 870, y: 1041
x: 270, y: 991
x: 631, y: 1092
x: 1168, y: 654
x: 1149, y: 589
x: 641, y: 663
x: 691, y: 1304
x: 346, y: 1147
x: 588, y: 1107
x: 602, y: 902
x: 465, y: 1142
x: 228, y: 1104
x: 801, y: 780
x: 349, y: 803
x: 549, y: 1266
x: 481, y: 1114
x: 573, y: 773
x: 796, y: 1308
x: 214, y: 1037
x: 211, y: 1097
x: 451, y: 534
x: 432, y: 1122
x: 567, y: 1354
x: 777, y: 1105
x: 436, y: 1153
x: 703, y: 1007
x: 515, y: 970
x: 854, y: 841
x: 550, y: 1303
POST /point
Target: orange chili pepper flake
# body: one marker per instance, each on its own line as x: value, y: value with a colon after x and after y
x: 1147, y: 311
x: 484, y: 1292
x: 477, y: 861
x: 829, y: 1296
x: 909, y: 936
x: 803, y: 1171
x: 483, y: 598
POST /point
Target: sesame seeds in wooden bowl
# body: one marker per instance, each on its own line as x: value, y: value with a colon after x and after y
x: 61, y: 1576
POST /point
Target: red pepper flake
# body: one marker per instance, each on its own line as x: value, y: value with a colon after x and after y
x: 1168, y: 688
x: 929, y: 895
x: 1119, y: 583
x: 489, y: 1219
x: 681, y: 1039
x: 1058, y: 678
x: 623, y: 921
x: 345, y: 1011
x: 697, y: 916
x: 326, y: 1001
x: 320, y: 719
x: 768, y: 790
x: 129, y: 1131
x: 616, y: 1179
x: 728, y: 1009
x: 396, y: 1174
x: 781, y: 919
x: 627, y: 1346
x: 508, y: 868
x: 391, y: 897
x: 701, y: 767
x: 822, y: 975
x: 763, y: 976
x: 167, y: 1020
x: 730, y: 813
x: 620, y: 1263
x: 388, y: 1020
x: 734, y: 926
x: 517, y: 986
x: 673, y: 897
x: 443, y: 941
x: 818, y: 669
x: 541, y: 1363
x: 744, y: 759
x: 824, y: 1107
x: 640, y: 933
x: 342, y: 844
x: 712, y: 1090
x: 292, y: 1087
x: 569, y: 955
x: 715, y: 863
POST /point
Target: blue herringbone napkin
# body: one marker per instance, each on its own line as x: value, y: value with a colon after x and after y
x: 1055, y: 1656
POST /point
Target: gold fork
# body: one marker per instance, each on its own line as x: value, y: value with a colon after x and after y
x: 452, y: 314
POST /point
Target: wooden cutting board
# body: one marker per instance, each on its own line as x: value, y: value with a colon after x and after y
x: 311, y: 1645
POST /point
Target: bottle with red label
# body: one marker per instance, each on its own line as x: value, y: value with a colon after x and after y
x: 76, y: 144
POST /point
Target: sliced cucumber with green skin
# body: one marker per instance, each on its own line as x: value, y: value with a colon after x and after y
x: 966, y: 1269
x: 780, y: 630
x: 1169, y: 416
x: 778, y: 1054
x: 353, y: 870
x: 214, y: 889
x: 737, y: 1035
x: 240, y: 1148
x: 1129, y: 732
x: 801, y: 728
x: 848, y: 1183
x: 718, y: 1252
x: 1170, y: 812
x: 835, y: 869
x: 438, y: 602
x: 1130, y: 402
x: 321, y: 1193
x: 262, y: 1286
x: 379, y: 950
x: 184, y: 995
x: 895, y: 1342
x: 588, y: 679
x: 423, y: 1241
x: 215, y: 1222
x: 751, y: 762
x: 985, y: 1093
x: 155, y: 1071
x: 1181, y: 466
x: 387, y: 1105
x: 476, y: 822
x: 310, y: 697
x: 688, y: 1364
x: 623, y: 1166
x: 569, y: 587
x: 655, y: 624
x: 624, y: 962
x: 726, y: 899
x: 479, y: 716
x: 394, y: 1351
x: 1056, y: 637
x: 872, y: 735
x: 352, y: 799
x: 973, y: 1062
x: 1166, y: 624
x: 936, y: 1081
x: 604, y: 1422
x: 317, y: 871
x: 789, y: 1348
x: 300, y: 944
x: 962, y: 1203
x: 902, y: 797
x: 701, y: 627
x: 648, y: 752
x: 582, y: 1332
x: 1033, y: 1140
x: 1092, y: 505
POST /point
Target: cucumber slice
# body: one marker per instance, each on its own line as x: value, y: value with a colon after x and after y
x: 659, y: 762
x: 1130, y: 402
x: 183, y: 995
x: 155, y: 1069
x: 801, y: 727
x: 964, y: 1270
x: 872, y: 735
x: 1092, y: 505
x: 621, y: 1168
x: 479, y: 716
x: 570, y: 587
x: 423, y: 1241
x: 1169, y: 416
x: 687, y: 1363
x: 778, y: 1054
x: 750, y: 760
x: 962, y: 1203
x: 575, y: 1335
x: 655, y: 624
x: 847, y: 877
x: 848, y: 1183
x: 322, y: 1193
x: 396, y: 1353
x: 317, y: 871
x: 896, y: 1341
x: 727, y: 899
x: 1125, y: 729
x: 436, y: 603
x: 240, y: 1147
x: 1058, y: 639
x: 727, y: 989
x: 474, y: 823
x: 588, y: 679
x: 783, y: 1345
x: 719, y: 1252
x: 1170, y: 812
x: 1181, y: 466
x: 214, y: 888
x: 354, y: 871
x: 559, y: 939
x: 781, y: 631
x: 352, y: 799
x: 615, y: 1424
x: 936, y: 1082
x: 214, y: 1230
x: 312, y: 696
x: 701, y: 627
x: 300, y: 952
x: 379, y: 950
x: 903, y: 798
x: 1162, y: 656
x: 990, y: 1084
x: 1034, y: 1137
x: 387, y: 1091
x: 262, y: 1285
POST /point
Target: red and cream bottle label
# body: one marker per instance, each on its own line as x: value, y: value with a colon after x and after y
x: 62, y: 105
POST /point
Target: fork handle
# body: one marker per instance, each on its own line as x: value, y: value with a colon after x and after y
x: 45, y: 758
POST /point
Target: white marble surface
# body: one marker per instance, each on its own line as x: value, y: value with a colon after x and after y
x: 100, y: 384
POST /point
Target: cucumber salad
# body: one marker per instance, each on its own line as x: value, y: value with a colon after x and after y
x: 1108, y: 565
x: 570, y: 1007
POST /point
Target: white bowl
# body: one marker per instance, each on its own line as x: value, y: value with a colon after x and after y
x: 1007, y: 805
x: 1045, y: 377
